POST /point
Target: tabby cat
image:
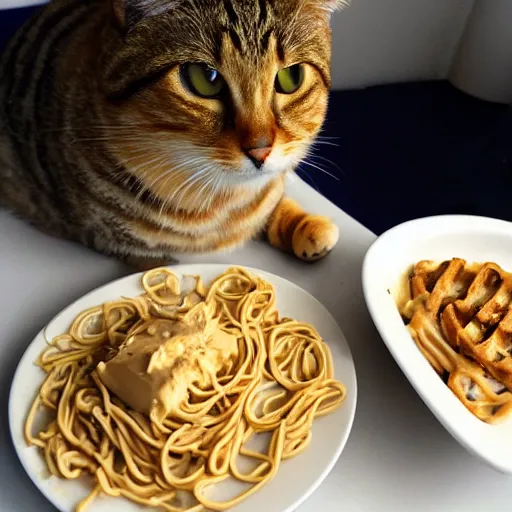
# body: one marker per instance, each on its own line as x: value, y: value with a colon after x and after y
x: 146, y: 128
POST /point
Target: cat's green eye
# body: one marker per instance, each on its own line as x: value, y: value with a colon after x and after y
x: 289, y: 79
x: 202, y: 80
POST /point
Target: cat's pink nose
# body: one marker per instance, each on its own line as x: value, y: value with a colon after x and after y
x: 258, y: 155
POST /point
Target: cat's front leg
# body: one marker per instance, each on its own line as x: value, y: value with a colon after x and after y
x: 143, y: 264
x: 309, y: 237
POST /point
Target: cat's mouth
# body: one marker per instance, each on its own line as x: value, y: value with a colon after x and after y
x: 248, y: 171
x: 255, y: 162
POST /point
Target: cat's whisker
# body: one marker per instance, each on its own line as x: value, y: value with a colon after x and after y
x: 139, y: 169
x: 135, y: 165
x: 185, y: 163
x: 336, y: 166
x: 188, y: 184
x: 207, y: 175
x: 136, y: 170
x: 202, y: 192
x: 95, y: 127
x: 209, y: 188
x: 128, y: 133
x: 196, y: 178
x: 326, y: 137
x: 215, y: 189
x: 167, y: 176
x: 325, y: 143
x: 175, y: 197
x: 117, y: 172
x: 188, y: 164
x: 173, y: 174
x: 197, y: 182
x: 222, y: 164
x: 305, y: 162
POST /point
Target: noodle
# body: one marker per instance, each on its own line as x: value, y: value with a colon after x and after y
x: 280, y: 380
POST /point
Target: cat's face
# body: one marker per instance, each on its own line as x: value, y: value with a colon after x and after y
x: 219, y: 92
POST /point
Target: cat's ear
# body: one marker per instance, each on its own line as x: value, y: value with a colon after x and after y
x: 129, y: 12
x: 329, y: 6
x: 119, y: 12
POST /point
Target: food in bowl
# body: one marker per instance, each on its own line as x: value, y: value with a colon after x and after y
x: 459, y: 314
x: 156, y: 397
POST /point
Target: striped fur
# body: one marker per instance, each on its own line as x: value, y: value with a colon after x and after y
x: 101, y: 143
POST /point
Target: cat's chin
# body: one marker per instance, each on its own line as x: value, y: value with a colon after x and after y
x: 248, y: 175
x: 255, y: 179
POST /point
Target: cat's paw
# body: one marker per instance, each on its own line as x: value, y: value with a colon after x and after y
x: 144, y: 264
x: 314, y: 237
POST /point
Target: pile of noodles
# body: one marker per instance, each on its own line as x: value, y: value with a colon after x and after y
x: 281, y: 379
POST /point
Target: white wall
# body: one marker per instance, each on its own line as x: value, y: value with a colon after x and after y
x: 483, y: 65
x: 382, y: 41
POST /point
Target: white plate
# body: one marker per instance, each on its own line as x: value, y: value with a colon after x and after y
x: 296, y: 479
x: 437, y: 238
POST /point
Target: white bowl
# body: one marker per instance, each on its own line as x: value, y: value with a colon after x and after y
x: 437, y: 238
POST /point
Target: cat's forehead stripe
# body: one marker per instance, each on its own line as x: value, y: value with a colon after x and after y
x: 263, y: 11
x: 230, y: 11
x: 235, y: 38
x: 237, y: 11
x: 249, y: 25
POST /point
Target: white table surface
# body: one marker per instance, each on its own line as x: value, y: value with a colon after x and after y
x: 398, y: 457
